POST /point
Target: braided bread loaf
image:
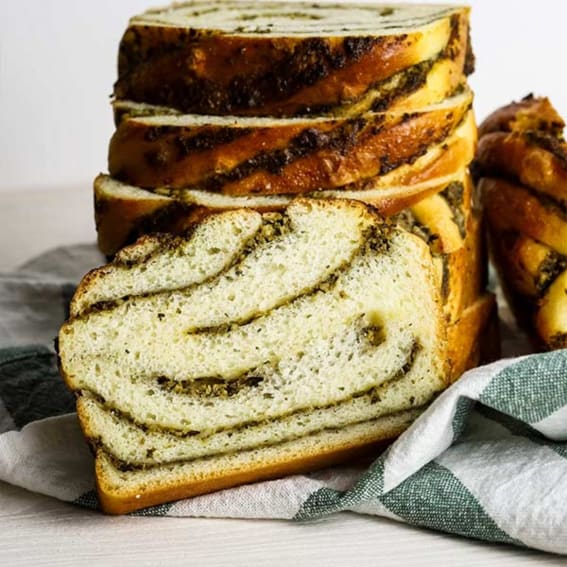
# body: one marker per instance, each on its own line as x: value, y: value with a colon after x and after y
x: 522, y: 165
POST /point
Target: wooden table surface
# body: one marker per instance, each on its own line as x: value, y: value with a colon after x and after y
x: 36, y: 530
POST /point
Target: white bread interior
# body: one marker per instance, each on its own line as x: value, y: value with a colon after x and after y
x: 322, y: 321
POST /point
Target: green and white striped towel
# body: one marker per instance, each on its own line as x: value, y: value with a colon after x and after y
x: 487, y: 460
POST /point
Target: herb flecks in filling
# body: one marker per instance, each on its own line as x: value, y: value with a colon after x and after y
x: 549, y: 270
x: 373, y: 394
x: 210, y: 387
x: 454, y: 194
x: 408, y: 221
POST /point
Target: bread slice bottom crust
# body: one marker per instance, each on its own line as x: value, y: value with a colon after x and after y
x: 123, y: 492
x: 473, y: 340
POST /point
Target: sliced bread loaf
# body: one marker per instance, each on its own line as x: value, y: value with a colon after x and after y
x: 124, y: 212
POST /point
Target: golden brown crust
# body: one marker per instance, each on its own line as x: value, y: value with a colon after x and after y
x: 474, y: 338
x: 279, y: 158
x: 511, y: 206
x: 463, y: 273
x: 113, y: 502
x: 475, y: 268
x: 521, y: 156
x: 276, y: 76
x: 531, y: 113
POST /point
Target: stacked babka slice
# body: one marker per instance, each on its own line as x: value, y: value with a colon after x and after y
x: 319, y: 276
x: 522, y: 163
x: 285, y: 59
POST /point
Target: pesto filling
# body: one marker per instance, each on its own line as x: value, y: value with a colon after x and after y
x: 557, y: 341
x: 408, y: 221
x: 454, y: 194
x: 375, y: 240
x: 274, y: 225
x: 123, y: 466
x: 549, y: 270
x: 550, y: 203
x: 371, y: 394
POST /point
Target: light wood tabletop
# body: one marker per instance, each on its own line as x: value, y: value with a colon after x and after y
x: 36, y: 530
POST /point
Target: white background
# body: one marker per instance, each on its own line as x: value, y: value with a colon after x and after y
x: 58, y: 64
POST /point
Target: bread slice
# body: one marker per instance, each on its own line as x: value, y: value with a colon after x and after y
x: 439, y: 213
x: 124, y: 212
x: 264, y: 156
x: 419, y: 86
x: 272, y: 343
x: 285, y: 59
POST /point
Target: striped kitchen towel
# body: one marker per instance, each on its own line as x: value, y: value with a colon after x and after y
x: 487, y: 460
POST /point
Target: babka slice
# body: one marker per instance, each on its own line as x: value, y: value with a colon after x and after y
x: 265, y: 156
x: 124, y: 212
x: 439, y: 212
x: 293, y: 58
x: 272, y: 343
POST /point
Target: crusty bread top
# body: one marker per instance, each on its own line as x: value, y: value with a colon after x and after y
x: 266, y: 59
x: 296, y: 18
x: 531, y: 113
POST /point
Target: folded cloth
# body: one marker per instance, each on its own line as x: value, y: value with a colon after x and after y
x: 487, y: 460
